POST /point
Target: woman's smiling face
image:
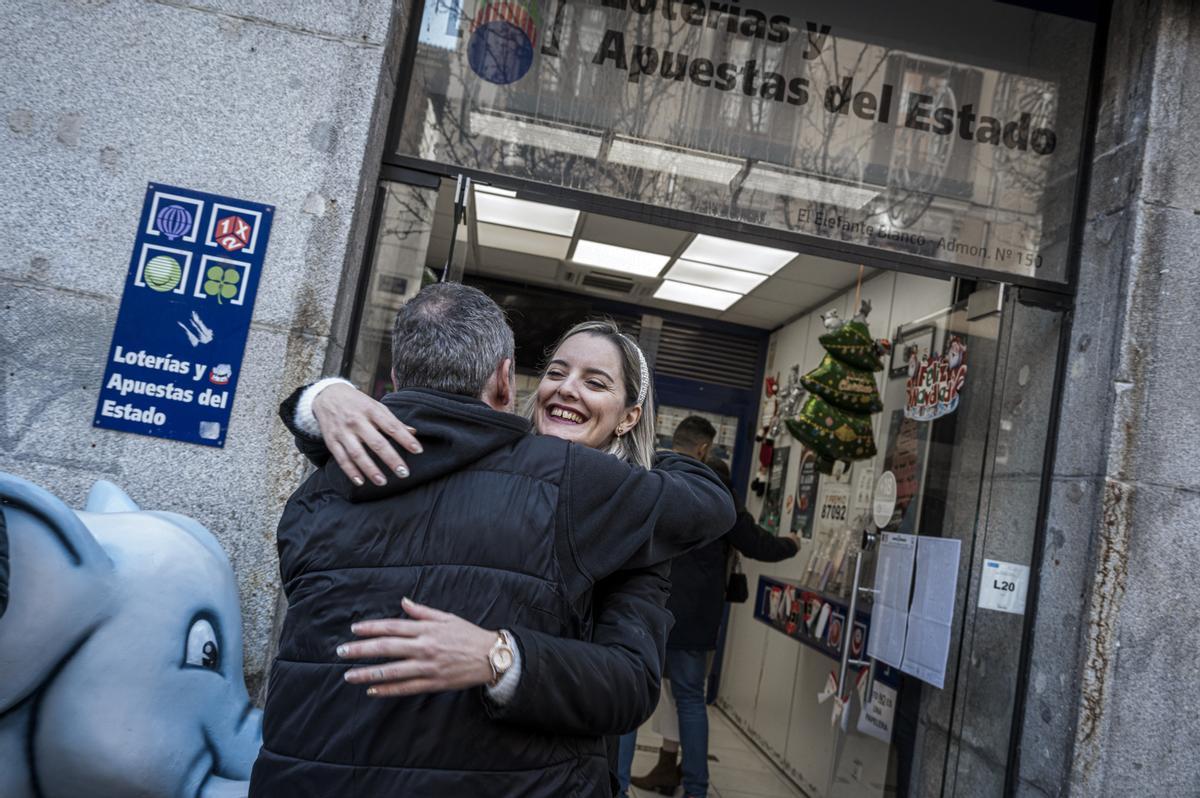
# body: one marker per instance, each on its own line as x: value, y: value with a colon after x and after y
x: 581, y: 397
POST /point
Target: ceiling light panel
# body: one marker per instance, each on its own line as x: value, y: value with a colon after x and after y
x: 526, y: 241
x: 480, y: 188
x: 673, y: 291
x: 689, y: 271
x: 543, y: 218
x: 619, y: 259
x: 737, y: 255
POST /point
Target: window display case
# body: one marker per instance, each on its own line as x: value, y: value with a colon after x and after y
x: 965, y: 382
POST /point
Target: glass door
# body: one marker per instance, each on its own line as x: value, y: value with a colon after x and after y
x: 891, y: 661
x: 419, y: 234
x: 926, y: 707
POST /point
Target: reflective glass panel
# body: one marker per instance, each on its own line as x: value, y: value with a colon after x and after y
x: 948, y: 129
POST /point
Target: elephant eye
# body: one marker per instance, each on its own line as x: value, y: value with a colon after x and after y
x: 203, y: 651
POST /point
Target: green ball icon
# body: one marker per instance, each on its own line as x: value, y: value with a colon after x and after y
x: 162, y: 273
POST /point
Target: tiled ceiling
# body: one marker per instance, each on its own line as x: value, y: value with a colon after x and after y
x: 523, y: 255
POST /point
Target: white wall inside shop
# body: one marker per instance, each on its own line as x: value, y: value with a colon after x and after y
x: 770, y: 682
x: 283, y: 104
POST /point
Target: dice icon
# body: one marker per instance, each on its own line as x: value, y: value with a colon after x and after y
x: 233, y: 233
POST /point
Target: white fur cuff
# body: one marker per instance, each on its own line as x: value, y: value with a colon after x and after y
x: 506, y: 688
x: 306, y: 422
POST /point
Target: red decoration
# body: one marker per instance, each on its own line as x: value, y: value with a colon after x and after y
x: 233, y: 233
x: 936, y: 382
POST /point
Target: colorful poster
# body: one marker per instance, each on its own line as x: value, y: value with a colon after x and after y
x: 176, y: 353
x: 905, y: 458
x: 804, y: 510
x: 773, y: 501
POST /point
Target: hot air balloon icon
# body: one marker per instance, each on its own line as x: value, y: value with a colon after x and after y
x: 174, y: 221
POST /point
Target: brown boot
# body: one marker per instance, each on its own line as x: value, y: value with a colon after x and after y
x: 663, y: 778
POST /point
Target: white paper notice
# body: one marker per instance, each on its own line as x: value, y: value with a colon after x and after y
x: 928, y: 642
x: 864, y: 490
x: 893, y: 580
x: 878, y: 714
x: 1003, y: 586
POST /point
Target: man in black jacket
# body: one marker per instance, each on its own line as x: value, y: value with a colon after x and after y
x: 697, y: 601
x: 508, y: 530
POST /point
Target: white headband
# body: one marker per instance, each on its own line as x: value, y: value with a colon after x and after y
x: 643, y: 369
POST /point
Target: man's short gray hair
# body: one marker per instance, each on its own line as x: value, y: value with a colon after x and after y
x: 449, y: 337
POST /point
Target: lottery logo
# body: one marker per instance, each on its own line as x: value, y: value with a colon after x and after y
x: 233, y: 233
x: 503, y: 37
x: 857, y: 639
x: 174, y: 221
x: 163, y: 273
x: 835, y: 631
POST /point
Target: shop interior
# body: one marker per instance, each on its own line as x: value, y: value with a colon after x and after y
x: 731, y: 327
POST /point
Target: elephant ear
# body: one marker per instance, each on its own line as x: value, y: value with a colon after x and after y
x: 105, y: 497
x: 59, y: 520
x: 60, y: 587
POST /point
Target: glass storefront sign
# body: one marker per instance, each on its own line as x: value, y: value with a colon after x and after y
x: 946, y: 129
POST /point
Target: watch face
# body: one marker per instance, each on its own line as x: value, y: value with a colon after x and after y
x: 502, y: 659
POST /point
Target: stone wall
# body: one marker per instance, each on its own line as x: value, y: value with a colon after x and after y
x: 281, y: 103
x: 1110, y: 710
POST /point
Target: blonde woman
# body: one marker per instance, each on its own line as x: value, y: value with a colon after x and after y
x: 583, y: 647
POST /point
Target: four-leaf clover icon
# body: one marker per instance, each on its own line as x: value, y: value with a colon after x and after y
x: 222, y: 282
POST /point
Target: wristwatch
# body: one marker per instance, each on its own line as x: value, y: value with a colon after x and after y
x: 501, y: 657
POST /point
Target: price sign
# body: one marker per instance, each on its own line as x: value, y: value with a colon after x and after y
x: 835, y: 505
x: 1003, y: 587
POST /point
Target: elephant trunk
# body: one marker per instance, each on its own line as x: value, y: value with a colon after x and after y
x: 217, y: 787
x: 237, y: 749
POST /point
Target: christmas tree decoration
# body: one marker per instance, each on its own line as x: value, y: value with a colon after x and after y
x: 835, y: 418
x: 852, y: 344
x: 832, y: 433
x: 844, y: 386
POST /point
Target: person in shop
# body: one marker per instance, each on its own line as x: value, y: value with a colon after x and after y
x: 528, y: 546
x: 698, y: 581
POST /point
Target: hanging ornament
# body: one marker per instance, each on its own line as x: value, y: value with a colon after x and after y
x: 835, y: 418
x: 788, y: 402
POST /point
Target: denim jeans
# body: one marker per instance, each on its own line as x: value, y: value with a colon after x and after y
x: 625, y: 761
x: 689, y: 675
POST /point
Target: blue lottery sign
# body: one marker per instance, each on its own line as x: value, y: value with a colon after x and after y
x: 176, y: 352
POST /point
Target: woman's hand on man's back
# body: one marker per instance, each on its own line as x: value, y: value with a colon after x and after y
x: 353, y: 425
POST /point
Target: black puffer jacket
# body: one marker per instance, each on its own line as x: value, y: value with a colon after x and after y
x: 501, y: 527
x: 698, y: 581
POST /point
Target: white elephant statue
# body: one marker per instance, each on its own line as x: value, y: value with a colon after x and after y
x: 120, y: 654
